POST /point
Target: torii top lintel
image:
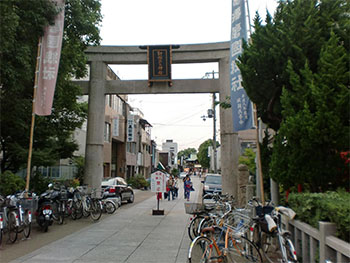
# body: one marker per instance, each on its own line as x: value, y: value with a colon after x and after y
x: 192, y: 53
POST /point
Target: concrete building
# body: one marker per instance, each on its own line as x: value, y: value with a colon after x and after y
x: 172, y: 148
x: 138, y: 145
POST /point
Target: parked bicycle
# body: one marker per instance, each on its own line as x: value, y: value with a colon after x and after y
x: 220, y: 244
x: 108, y: 206
x: 274, y: 242
x: 25, y: 203
x: 92, y: 206
x: 16, y: 215
x: 9, y: 219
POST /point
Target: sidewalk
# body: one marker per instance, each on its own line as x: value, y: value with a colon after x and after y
x: 132, y: 235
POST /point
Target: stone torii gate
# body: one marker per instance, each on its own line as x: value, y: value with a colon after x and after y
x: 97, y: 87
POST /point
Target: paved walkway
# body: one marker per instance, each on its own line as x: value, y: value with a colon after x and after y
x: 132, y: 236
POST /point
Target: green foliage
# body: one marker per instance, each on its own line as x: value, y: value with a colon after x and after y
x: 39, y: 183
x: 186, y: 153
x: 248, y: 158
x: 297, y: 32
x: 202, y: 155
x: 10, y: 183
x: 296, y: 70
x: 174, y: 172
x: 315, y: 126
x: 330, y: 206
x: 138, y: 181
x: 23, y: 22
x: 79, y: 162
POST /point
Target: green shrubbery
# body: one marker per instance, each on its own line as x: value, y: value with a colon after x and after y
x: 138, y: 181
x: 10, y: 183
x: 330, y: 206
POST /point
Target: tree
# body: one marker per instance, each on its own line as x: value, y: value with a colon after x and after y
x: 23, y: 22
x: 297, y: 32
x: 296, y: 69
x: 202, y: 155
x: 186, y: 153
x: 315, y: 124
x: 248, y: 158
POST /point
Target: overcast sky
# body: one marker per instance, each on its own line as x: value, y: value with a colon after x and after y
x: 151, y: 22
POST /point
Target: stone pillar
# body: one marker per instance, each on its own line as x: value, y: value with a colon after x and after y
x: 95, y: 126
x: 243, y: 177
x: 274, y: 192
x: 229, y: 139
x: 326, y: 229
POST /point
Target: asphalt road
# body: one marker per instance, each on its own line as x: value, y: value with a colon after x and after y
x: 38, y: 238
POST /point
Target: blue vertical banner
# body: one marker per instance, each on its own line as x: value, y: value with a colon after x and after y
x: 242, y: 110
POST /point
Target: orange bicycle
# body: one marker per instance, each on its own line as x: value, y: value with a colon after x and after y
x: 223, y: 244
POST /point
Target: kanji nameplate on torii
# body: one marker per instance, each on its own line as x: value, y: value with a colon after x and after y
x: 159, y: 64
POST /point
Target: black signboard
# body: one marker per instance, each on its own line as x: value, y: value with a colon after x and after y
x: 159, y: 64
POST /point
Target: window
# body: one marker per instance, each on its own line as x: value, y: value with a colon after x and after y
x: 107, y: 132
x: 131, y: 147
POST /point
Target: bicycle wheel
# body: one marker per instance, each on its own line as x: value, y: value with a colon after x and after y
x: 270, y: 248
x: 12, y: 227
x: 193, y: 227
x: 202, y: 250
x: 241, y: 249
x: 96, y: 210
x: 27, y: 224
x: 0, y: 237
x: 290, y: 251
x: 77, y: 210
x: 110, y: 207
x: 58, y: 212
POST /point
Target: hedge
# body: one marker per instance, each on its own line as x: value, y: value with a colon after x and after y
x: 330, y: 206
x: 138, y: 181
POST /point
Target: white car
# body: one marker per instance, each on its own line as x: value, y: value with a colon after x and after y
x: 182, y: 175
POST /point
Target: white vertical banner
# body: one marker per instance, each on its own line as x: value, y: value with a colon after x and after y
x: 50, y: 58
x: 115, y: 130
x: 130, y: 129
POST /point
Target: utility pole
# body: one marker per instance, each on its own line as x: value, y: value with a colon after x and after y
x: 212, y: 114
x: 214, y: 132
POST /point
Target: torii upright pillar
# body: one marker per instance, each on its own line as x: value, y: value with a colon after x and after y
x: 229, y: 139
x: 95, y: 125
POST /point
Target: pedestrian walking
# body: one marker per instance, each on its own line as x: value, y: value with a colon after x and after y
x: 188, y: 188
x: 169, y: 187
x: 184, y: 180
x: 176, y: 186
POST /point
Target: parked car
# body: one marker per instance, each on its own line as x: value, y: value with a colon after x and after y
x: 212, y: 183
x: 117, y: 187
x: 182, y: 175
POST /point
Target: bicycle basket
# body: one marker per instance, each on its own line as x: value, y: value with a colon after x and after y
x: 29, y: 203
x: 193, y: 208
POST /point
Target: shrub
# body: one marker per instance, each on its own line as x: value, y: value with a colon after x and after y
x: 11, y: 183
x: 138, y: 181
x: 330, y: 206
x: 39, y: 183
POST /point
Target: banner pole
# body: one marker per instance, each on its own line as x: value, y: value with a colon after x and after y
x: 38, y: 59
x: 261, y: 181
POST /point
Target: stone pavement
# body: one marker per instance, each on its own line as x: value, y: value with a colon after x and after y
x: 132, y: 235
